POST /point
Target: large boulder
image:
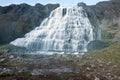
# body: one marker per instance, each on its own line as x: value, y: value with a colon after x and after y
x: 96, y: 45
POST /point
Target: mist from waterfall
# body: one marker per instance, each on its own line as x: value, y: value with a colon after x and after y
x: 67, y: 29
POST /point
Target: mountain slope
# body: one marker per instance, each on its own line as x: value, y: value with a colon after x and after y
x: 16, y: 20
x: 106, y: 15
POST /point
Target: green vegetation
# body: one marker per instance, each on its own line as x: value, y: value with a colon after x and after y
x: 103, y: 64
x: 12, y: 48
x: 109, y: 30
x: 109, y: 54
x: 23, y: 73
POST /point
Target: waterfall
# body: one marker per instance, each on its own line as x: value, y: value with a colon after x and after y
x: 67, y: 29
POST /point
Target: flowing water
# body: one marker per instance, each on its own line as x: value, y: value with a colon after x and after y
x: 67, y: 29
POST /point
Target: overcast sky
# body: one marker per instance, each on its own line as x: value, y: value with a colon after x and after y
x: 61, y: 2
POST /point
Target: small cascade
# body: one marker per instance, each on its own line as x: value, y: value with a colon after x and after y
x: 67, y: 29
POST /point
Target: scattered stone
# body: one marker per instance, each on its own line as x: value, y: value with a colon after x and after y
x: 108, y: 73
x: 2, y: 60
x: 11, y: 57
x: 88, y: 68
x: 115, y: 66
x: 5, y: 71
x: 92, y: 65
x: 101, y: 65
x: 96, y: 78
x: 109, y: 63
x: 40, y: 65
x: 119, y: 78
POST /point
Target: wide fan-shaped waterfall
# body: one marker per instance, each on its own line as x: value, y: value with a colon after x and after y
x: 67, y: 29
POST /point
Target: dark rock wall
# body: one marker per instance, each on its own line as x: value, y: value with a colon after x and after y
x: 106, y: 10
x: 16, y: 20
x: 105, y: 17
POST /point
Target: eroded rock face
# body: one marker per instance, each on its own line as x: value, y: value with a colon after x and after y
x: 16, y: 20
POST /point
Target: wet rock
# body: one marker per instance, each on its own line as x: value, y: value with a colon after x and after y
x: 2, y: 60
x: 5, y: 71
x: 96, y: 45
x: 11, y: 57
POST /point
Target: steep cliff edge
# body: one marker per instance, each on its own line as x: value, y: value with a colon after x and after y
x: 16, y: 20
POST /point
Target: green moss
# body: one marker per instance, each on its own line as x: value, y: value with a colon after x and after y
x: 12, y: 48
x: 23, y: 73
x: 107, y: 35
x: 109, y: 29
x: 110, y: 54
x: 109, y: 42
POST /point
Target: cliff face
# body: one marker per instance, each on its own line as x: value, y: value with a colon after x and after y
x: 106, y: 15
x: 16, y: 20
x: 106, y: 10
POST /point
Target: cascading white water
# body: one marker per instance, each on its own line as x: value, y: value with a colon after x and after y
x: 67, y: 29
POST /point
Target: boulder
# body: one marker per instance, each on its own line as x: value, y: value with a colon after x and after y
x: 96, y: 45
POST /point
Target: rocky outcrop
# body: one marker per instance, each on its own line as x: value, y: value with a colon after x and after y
x: 16, y: 20
x: 105, y: 17
x: 107, y: 10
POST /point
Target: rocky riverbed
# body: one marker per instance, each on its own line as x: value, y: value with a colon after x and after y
x: 58, y: 67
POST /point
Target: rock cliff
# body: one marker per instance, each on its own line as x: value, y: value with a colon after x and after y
x: 16, y: 20
x: 106, y: 16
